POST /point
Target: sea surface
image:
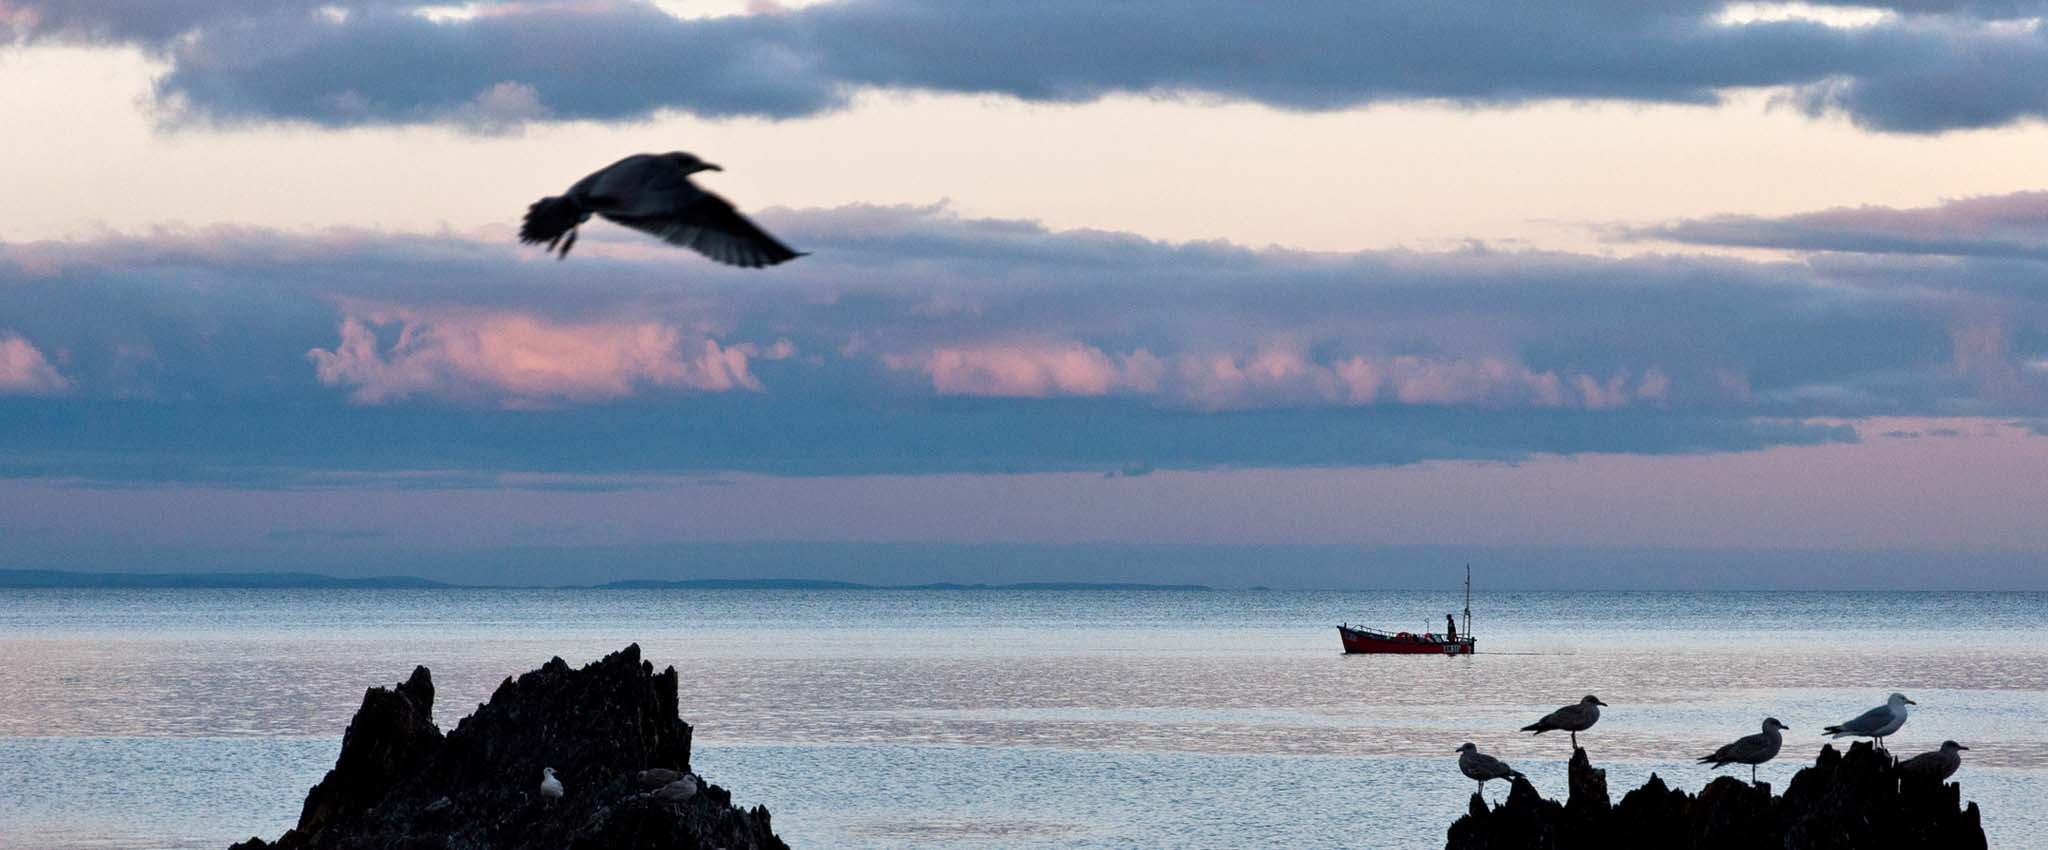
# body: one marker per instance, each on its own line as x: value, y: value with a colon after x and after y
x: 1008, y: 718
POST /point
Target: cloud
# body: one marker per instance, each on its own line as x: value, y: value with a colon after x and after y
x: 1057, y: 350
x: 1921, y: 67
x: 519, y: 360
x: 1033, y: 370
x: 1273, y: 376
x: 2009, y: 226
x: 25, y: 371
x: 502, y: 109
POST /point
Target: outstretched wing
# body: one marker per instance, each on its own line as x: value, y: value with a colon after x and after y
x: 711, y: 227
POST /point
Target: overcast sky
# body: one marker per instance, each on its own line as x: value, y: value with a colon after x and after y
x: 1570, y: 285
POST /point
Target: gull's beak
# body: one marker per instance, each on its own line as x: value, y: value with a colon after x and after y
x: 709, y: 167
x: 1599, y: 703
x: 1961, y: 747
x: 1910, y: 702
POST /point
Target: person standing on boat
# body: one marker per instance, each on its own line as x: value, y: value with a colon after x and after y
x: 1451, y: 626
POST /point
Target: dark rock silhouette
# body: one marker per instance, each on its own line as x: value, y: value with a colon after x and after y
x: 400, y: 784
x: 1857, y: 801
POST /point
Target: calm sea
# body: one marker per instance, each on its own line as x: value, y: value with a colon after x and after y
x: 1007, y: 719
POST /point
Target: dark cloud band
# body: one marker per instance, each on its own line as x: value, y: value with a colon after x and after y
x: 254, y: 356
x: 1929, y: 67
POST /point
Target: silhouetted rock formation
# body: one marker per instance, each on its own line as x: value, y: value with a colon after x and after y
x: 401, y: 785
x: 1853, y: 802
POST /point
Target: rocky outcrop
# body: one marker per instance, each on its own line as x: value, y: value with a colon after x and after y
x: 610, y: 730
x: 1857, y: 801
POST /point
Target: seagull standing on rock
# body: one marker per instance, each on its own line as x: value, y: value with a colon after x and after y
x: 550, y: 787
x: 1938, y: 765
x: 1875, y: 723
x: 1574, y: 718
x: 652, y: 193
x: 1751, y: 750
x: 1477, y: 765
x: 655, y: 777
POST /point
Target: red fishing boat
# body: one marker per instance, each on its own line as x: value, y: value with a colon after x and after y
x: 1452, y: 641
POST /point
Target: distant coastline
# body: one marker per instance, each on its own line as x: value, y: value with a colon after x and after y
x: 814, y: 584
x: 63, y: 579
x: 40, y: 579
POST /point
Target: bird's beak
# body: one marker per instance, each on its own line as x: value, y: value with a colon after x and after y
x: 1910, y: 702
x: 709, y: 167
x: 1961, y: 747
x: 1599, y: 703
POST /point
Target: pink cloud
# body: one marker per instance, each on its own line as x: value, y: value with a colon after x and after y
x: 25, y: 371
x: 518, y: 360
x: 502, y: 109
x: 1655, y: 385
x: 1032, y: 370
x: 1983, y: 352
x: 1274, y: 375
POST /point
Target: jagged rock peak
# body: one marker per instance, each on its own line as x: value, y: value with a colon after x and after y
x: 400, y: 783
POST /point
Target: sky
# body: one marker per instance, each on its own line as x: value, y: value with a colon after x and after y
x: 1606, y: 294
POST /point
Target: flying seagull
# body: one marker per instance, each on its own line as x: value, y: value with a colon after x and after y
x: 1875, y: 723
x: 550, y: 787
x: 1574, y: 718
x: 1477, y: 765
x: 1938, y: 765
x: 1751, y: 750
x: 652, y: 193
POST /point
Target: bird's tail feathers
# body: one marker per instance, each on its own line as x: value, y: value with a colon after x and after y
x: 550, y: 219
x: 1835, y: 730
x: 1537, y: 728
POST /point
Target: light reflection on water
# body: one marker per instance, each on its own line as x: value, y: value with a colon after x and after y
x: 942, y: 719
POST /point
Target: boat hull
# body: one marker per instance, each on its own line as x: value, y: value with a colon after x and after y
x: 1369, y: 642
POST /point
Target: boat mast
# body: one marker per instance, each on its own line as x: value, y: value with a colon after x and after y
x: 1468, y: 600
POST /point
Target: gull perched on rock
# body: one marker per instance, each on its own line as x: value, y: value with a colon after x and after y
x: 550, y: 787
x: 1875, y: 723
x: 652, y: 193
x: 681, y: 790
x: 1574, y: 718
x: 1938, y: 765
x: 655, y: 777
x: 1477, y: 765
x: 1751, y: 750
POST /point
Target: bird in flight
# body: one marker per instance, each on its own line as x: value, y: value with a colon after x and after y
x: 652, y: 193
